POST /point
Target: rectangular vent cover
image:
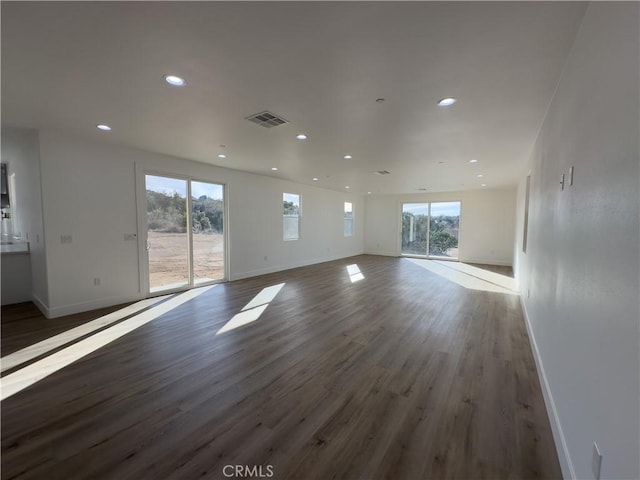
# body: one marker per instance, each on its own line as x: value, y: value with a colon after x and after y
x: 382, y: 172
x: 267, y: 119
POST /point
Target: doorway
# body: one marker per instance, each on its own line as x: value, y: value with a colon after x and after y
x: 184, y: 232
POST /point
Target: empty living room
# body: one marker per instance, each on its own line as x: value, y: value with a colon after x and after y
x: 320, y: 240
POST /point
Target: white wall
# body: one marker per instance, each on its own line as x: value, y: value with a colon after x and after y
x: 89, y: 192
x: 21, y: 151
x: 487, y: 223
x: 583, y: 260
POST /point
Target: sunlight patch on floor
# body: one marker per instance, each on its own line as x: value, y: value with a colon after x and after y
x: 468, y: 276
x: 27, y: 376
x: 252, y: 310
x: 355, y: 275
x: 32, y: 351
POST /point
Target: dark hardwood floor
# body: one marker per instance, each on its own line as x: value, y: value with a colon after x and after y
x: 401, y: 375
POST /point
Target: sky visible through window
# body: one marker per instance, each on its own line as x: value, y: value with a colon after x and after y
x: 451, y: 209
x: 293, y: 198
x: 170, y: 185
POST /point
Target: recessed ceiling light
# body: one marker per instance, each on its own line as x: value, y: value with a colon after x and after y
x: 174, y: 80
x: 480, y: 175
x: 315, y: 179
x: 348, y: 157
x: 301, y: 136
x: 103, y: 127
x: 379, y: 100
x: 446, y: 102
x: 346, y: 186
x: 368, y: 193
x: 473, y: 161
x: 275, y: 169
x: 483, y: 185
x: 222, y: 155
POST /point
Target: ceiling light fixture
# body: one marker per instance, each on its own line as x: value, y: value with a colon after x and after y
x: 301, y: 136
x: 348, y: 157
x: 315, y: 179
x: 483, y: 185
x: 275, y: 169
x: 346, y: 186
x: 480, y: 175
x: 447, y: 101
x: 368, y: 193
x: 103, y: 127
x: 222, y: 155
x: 473, y: 161
x: 174, y: 80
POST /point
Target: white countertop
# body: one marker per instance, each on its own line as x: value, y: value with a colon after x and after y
x: 14, y: 247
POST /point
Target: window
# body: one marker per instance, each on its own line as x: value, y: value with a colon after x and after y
x: 291, y: 216
x: 348, y: 219
x: 431, y: 229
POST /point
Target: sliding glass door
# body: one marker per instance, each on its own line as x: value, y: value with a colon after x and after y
x: 444, y: 227
x: 431, y: 229
x: 207, y: 220
x: 177, y: 256
x: 415, y: 226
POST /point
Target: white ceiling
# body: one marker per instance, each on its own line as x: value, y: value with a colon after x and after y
x: 321, y: 65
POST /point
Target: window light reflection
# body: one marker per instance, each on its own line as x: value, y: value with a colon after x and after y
x: 355, y: 275
x: 253, y: 310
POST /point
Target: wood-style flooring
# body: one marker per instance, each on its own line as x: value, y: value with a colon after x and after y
x: 401, y: 375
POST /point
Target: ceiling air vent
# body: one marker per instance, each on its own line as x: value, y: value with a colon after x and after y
x: 267, y: 119
x: 382, y: 172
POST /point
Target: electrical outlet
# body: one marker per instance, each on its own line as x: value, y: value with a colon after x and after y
x: 528, y: 292
x: 66, y: 238
x: 96, y: 282
x: 128, y: 237
x: 265, y: 258
x: 596, y: 462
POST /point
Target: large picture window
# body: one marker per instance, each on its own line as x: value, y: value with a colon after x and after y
x: 291, y: 216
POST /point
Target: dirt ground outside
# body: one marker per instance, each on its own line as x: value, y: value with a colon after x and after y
x: 169, y: 261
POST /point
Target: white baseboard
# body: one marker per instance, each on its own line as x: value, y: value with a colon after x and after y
x: 556, y: 428
x: 37, y: 301
x: 280, y: 268
x: 381, y: 253
x: 486, y: 261
x: 54, y: 312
